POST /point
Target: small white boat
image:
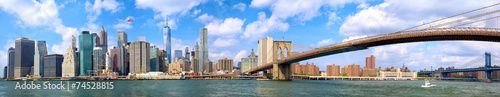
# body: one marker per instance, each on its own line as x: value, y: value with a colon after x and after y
x: 427, y: 84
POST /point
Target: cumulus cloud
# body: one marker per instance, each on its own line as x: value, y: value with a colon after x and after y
x: 223, y: 42
x: 41, y: 14
x: 240, y: 6
x: 124, y: 24
x: 225, y: 30
x: 239, y: 55
x: 168, y: 7
x: 325, y: 42
x: 263, y: 25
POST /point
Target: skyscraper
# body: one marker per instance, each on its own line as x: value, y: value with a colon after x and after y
x: 116, y: 55
x: 203, y: 58
x: 103, y: 40
x: 70, y: 67
x: 178, y: 54
x: 5, y: 72
x: 139, y: 57
x: 249, y: 63
x: 166, y: 41
x: 197, y: 56
x: 11, y: 62
x: 98, y: 60
x: 121, y: 42
x: 122, y: 38
x: 96, y: 39
x: 370, y: 62
x: 86, y: 50
x: 40, y: 51
x: 24, y: 57
x: 154, y: 58
x: 186, y: 53
x: 52, y: 65
x: 264, y: 50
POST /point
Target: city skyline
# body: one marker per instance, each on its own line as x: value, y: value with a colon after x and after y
x: 328, y: 21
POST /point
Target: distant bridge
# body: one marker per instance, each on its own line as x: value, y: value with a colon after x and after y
x: 282, y: 67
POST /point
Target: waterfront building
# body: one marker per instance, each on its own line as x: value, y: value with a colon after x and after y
x: 226, y: 65
x: 162, y: 63
x: 70, y: 66
x: 186, y: 65
x: 166, y: 40
x: 398, y: 74
x: 5, y: 72
x: 264, y: 50
x: 103, y: 40
x: 24, y: 57
x: 333, y: 70
x: 353, y: 70
x: 53, y: 65
x: 181, y: 65
x: 178, y: 54
x: 308, y: 69
x: 98, y: 60
x: 196, y: 65
x: 139, y: 57
x: 209, y: 68
x: 154, y: 58
x: 203, y: 58
x: 249, y: 62
x: 370, y: 62
x: 197, y: 56
x: 368, y: 72
x: 40, y: 51
x: 86, y: 51
x: 11, y: 62
x: 116, y: 56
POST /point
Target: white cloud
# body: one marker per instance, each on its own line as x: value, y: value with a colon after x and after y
x: 124, y: 24
x: 196, y: 11
x: 324, y: 42
x: 354, y: 37
x: 223, y: 42
x: 171, y: 23
x: 94, y: 10
x: 263, y: 25
x: 363, y: 5
x: 261, y: 3
x: 228, y: 28
x: 240, y: 6
x: 240, y: 55
x: 394, y: 15
x: 332, y: 17
x: 205, y: 18
x: 41, y: 14
x: 220, y: 55
x: 168, y: 7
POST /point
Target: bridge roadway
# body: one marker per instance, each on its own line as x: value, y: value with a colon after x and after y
x: 462, y: 70
x: 432, y: 34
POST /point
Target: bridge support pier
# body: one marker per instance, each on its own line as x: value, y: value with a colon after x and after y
x: 282, y: 72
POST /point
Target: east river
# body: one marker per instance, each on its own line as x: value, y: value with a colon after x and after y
x: 232, y: 88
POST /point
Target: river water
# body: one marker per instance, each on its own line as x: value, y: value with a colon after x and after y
x: 190, y: 88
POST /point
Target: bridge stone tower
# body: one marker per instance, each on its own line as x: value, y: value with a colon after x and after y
x: 281, y: 71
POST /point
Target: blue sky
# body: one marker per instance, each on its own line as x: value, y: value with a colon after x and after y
x: 234, y: 26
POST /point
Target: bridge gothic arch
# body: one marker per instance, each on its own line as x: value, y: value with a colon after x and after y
x: 281, y: 49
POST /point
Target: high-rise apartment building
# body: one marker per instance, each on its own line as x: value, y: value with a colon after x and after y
x: 333, y: 70
x: 116, y: 56
x: 226, y: 64
x: 370, y: 62
x: 203, y: 58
